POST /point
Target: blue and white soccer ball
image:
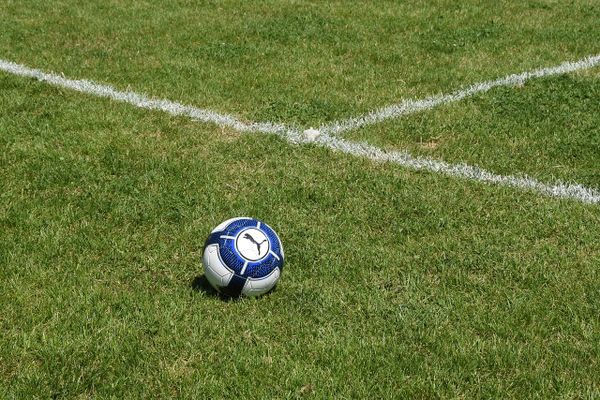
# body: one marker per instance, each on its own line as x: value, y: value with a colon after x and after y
x: 243, y: 256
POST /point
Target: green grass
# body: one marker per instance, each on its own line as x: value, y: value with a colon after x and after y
x: 398, y: 284
x: 295, y: 61
x: 550, y: 129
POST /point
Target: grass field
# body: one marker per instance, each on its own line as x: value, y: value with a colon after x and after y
x: 398, y: 283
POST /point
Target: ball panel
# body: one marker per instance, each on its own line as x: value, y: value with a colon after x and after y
x: 252, y: 244
x: 256, y: 287
x: 234, y: 227
x: 217, y: 273
x: 224, y: 224
x: 263, y: 268
x: 230, y: 257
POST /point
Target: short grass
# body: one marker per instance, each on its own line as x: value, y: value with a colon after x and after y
x: 296, y: 61
x: 549, y: 128
x: 398, y: 284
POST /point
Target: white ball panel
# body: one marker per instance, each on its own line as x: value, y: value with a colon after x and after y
x: 217, y: 273
x: 224, y: 224
x: 258, y: 286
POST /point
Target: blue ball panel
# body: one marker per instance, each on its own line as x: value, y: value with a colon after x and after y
x: 233, y: 228
x: 213, y: 238
x: 230, y: 256
x: 263, y: 268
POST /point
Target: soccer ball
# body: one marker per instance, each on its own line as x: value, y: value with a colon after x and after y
x: 243, y: 256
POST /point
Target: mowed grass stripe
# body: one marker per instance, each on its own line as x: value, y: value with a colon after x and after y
x: 306, y: 63
x: 464, y: 171
x: 548, y: 128
x: 413, y: 106
x: 292, y: 135
x: 558, y: 189
x: 142, y: 101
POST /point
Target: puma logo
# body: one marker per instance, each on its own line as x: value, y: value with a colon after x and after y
x: 250, y: 238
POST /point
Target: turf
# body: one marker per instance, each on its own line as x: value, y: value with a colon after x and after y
x: 549, y: 128
x: 398, y: 284
x: 303, y: 61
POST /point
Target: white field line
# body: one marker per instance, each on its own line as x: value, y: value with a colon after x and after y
x: 295, y: 136
x: 413, y: 106
x: 465, y: 171
x: 142, y: 101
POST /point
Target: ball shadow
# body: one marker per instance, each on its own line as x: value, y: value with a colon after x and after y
x: 201, y: 284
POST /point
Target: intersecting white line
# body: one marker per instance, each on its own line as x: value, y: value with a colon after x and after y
x: 413, y: 106
x: 325, y: 139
